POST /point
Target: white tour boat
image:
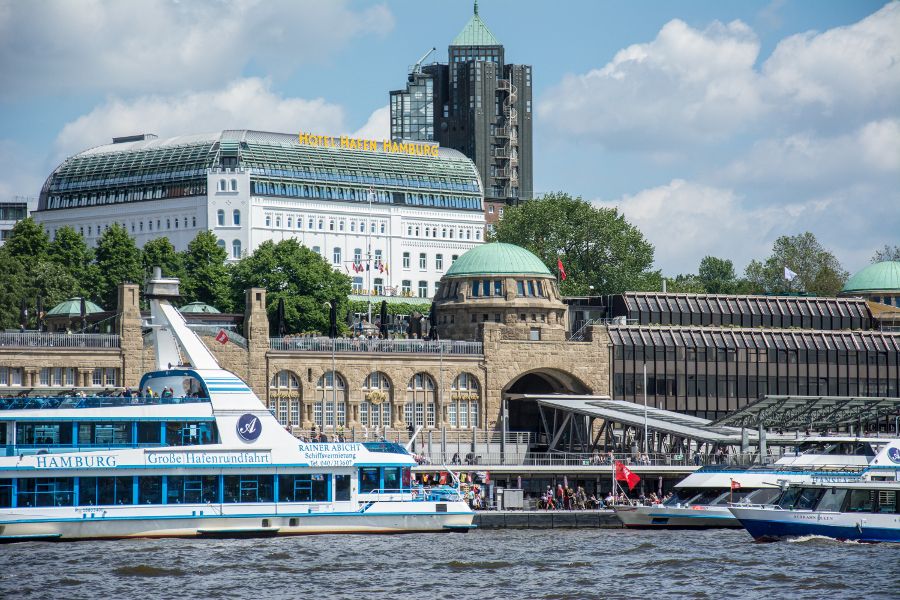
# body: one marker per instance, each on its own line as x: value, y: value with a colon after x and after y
x: 865, y: 509
x: 206, y: 460
x: 701, y: 499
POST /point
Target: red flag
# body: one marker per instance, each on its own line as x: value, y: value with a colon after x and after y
x: 222, y: 337
x: 443, y: 479
x: 562, y: 269
x: 735, y: 485
x: 623, y: 473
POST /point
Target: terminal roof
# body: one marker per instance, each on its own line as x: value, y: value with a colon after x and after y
x: 810, y: 412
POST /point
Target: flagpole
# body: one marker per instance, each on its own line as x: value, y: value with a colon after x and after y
x: 369, y: 256
x: 645, y: 407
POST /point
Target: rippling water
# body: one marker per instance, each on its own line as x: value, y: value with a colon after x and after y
x: 595, y: 563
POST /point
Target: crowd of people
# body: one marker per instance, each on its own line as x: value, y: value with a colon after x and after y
x: 566, y: 498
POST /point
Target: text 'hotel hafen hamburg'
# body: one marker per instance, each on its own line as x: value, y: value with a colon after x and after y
x: 418, y: 205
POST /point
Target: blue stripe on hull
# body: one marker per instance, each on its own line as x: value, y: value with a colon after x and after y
x: 769, y: 530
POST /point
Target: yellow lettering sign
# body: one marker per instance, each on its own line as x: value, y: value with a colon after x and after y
x: 348, y: 143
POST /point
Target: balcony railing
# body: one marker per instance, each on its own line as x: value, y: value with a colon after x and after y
x: 353, y: 345
x: 35, y: 339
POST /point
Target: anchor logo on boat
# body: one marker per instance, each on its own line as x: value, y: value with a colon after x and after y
x: 894, y: 455
x: 249, y: 427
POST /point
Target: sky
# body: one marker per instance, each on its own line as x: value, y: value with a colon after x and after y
x: 715, y: 126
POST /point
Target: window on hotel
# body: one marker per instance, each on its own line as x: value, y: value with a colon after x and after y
x: 357, y: 256
x: 236, y: 217
x: 236, y: 249
x: 439, y: 262
x: 221, y: 185
x: 406, y: 260
x: 220, y: 218
x: 268, y: 220
x: 406, y: 287
x: 423, y: 261
x: 423, y: 289
x: 234, y: 185
x: 336, y: 256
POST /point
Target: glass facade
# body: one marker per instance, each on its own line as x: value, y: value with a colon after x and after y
x: 412, y: 111
x: 709, y: 372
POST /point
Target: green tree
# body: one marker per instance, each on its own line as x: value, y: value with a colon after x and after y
x: 818, y: 271
x: 118, y: 261
x: 305, y: 281
x: 69, y: 250
x: 206, y: 276
x: 685, y: 284
x: 886, y: 253
x: 597, y: 246
x: 160, y: 252
x: 27, y: 240
x: 717, y: 275
x: 25, y: 280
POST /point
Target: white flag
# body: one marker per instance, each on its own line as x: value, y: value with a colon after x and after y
x: 789, y: 275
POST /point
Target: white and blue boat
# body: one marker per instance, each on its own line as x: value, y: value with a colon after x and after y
x: 702, y: 499
x: 205, y: 460
x: 865, y: 509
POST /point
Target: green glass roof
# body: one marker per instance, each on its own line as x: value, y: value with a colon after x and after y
x: 880, y: 277
x: 498, y: 259
x: 198, y: 307
x: 475, y: 33
x: 72, y: 308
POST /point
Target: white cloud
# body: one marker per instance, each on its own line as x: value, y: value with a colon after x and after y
x: 160, y: 46
x: 22, y: 174
x: 689, y: 86
x: 243, y: 104
x: 378, y: 127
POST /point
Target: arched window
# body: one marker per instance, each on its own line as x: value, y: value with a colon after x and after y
x: 375, y: 410
x: 221, y: 244
x: 284, y: 398
x: 465, y: 398
x: 220, y: 217
x: 236, y: 217
x: 221, y: 185
x: 421, y: 396
x: 331, y: 401
x: 234, y: 185
x: 236, y: 249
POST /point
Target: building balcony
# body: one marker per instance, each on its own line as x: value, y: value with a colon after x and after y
x: 34, y: 339
x: 362, y: 346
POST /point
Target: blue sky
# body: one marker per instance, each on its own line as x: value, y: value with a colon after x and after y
x: 715, y: 126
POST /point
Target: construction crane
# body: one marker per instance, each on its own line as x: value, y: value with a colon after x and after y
x: 417, y: 68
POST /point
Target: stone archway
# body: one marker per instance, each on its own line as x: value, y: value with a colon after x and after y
x: 523, y: 413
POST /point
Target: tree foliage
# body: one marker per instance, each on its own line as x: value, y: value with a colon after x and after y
x: 69, y: 250
x: 161, y: 253
x: 27, y: 240
x: 305, y: 281
x: 886, y: 253
x: 717, y: 275
x: 818, y: 271
x: 206, y: 276
x: 24, y: 281
x: 597, y: 246
x: 118, y: 261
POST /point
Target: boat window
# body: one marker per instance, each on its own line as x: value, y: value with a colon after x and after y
x: 341, y: 487
x: 105, y: 491
x: 808, y: 498
x: 6, y: 493
x: 763, y: 496
x: 887, y: 501
x: 860, y: 501
x: 150, y: 490
x: 190, y: 433
x: 392, y: 478
x: 44, y: 434
x: 57, y: 491
x: 705, y: 497
x: 105, y: 434
x: 369, y: 479
x: 248, y: 488
x: 832, y: 500
x: 149, y: 432
x: 789, y: 497
x: 304, y: 488
x: 192, y: 489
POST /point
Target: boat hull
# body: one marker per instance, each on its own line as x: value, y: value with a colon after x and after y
x: 768, y: 524
x: 667, y: 517
x: 111, y: 524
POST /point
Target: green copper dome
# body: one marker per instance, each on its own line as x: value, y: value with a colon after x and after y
x: 498, y: 259
x: 880, y: 277
x: 72, y: 308
x: 198, y: 307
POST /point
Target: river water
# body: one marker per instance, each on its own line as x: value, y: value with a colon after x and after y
x: 595, y: 563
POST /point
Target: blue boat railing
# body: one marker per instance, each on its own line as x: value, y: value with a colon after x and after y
x: 68, y: 402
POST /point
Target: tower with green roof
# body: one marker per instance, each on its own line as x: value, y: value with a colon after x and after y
x: 478, y: 104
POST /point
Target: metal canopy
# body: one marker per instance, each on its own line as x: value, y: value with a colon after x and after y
x: 630, y: 413
x: 810, y: 412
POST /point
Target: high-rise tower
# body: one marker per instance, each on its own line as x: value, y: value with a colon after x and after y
x: 477, y: 104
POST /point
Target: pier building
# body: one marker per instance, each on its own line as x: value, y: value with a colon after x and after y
x: 393, y: 215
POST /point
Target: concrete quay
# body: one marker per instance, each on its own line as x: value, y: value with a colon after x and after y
x: 547, y: 519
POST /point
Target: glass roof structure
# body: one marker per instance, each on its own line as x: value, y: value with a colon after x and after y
x: 811, y: 412
x: 279, y: 165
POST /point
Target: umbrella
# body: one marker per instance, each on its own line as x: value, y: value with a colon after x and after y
x: 415, y: 326
x: 384, y: 319
x: 23, y: 314
x: 519, y: 482
x: 332, y: 326
x: 432, y: 322
x: 279, y: 316
x: 83, y: 312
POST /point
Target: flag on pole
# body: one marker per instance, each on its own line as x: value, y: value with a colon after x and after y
x: 562, y: 269
x: 735, y: 485
x: 625, y: 474
x: 789, y: 275
x: 222, y: 337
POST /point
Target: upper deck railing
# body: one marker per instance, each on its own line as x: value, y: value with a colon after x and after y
x: 354, y: 345
x: 34, y: 339
x: 65, y: 402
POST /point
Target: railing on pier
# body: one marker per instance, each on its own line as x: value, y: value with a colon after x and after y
x: 355, y: 345
x: 34, y: 339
